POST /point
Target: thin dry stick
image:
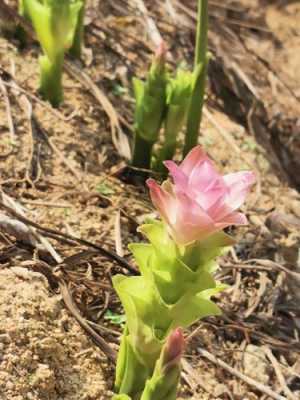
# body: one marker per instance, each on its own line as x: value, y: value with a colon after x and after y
x: 263, y: 281
x: 8, y: 111
x: 118, y: 235
x: 59, y: 235
x: 152, y: 30
x: 14, y: 207
x: 56, y: 113
x: 191, y: 378
x: 46, y: 203
x: 119, y: 138
x: 26, y: 106
x: 289, y: 394
x: 273, y: 265
x: 107, y: 350
x: 259, y: 386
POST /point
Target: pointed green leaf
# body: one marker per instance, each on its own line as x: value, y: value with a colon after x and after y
x: 156, y: 232
x: 40, y: 16
x: 201, y: 254
x: 142, y: 253
x: 144, y: 311
x: 138, y: 89
x: 191, y: 308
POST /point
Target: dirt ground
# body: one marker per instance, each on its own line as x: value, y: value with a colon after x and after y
x: 63, y: 170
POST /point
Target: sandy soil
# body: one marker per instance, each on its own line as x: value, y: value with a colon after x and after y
x: 44, y: 354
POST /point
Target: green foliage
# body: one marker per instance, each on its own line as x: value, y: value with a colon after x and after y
x: 163, y: 383
x: 174, y: 290
x: 179, y: 91
x: 105, y: 189
x: 76, y: 48
x: 116, y: 319
x: 150, y: 107
x: 55, y: 23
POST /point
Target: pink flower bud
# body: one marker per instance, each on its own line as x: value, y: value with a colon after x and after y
x: 200, y: 201
x: 173, y: 349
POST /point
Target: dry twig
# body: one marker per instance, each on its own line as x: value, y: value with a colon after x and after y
x: 59, y: 235
x: 259, y: 386
x: 279, y: 375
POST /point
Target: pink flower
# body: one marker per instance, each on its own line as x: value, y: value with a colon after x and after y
x: 201, y: 201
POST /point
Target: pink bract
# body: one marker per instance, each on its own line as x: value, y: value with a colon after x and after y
x: 173, y: 348
x: 200, y: 201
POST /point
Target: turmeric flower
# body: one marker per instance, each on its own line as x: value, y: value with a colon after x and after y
x: 200, y: 201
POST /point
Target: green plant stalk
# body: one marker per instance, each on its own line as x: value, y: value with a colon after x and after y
x: 163, y: 384
x: 200, y: 70
x: 173, y: 291
x: 173, y: 124
x: 51, y: 79
x: 150, y: 109
x: 179, y: 90
x: 142, y: 152
x: 77, y: 44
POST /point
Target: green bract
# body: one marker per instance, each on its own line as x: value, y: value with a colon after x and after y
x: 174, y: 290
x: 179, y: 91
x: 55, y: 22
x: 163, y: 383
x: 150, y: 99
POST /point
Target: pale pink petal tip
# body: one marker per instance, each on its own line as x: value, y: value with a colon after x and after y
x: 194, y: 157
x: 236, y: 218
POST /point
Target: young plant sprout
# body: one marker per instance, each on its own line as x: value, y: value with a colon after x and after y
x: 176, y: 283
x: 177, y: 101
x: 55, y: 23
x: 171, y: 103
x: 150, y: 108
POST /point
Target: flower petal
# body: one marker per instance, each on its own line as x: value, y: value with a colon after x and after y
x: 163, y: 201
x: 201, y: 201
x: 195, y: 156
x: 179, y: 177
x: 248, y: 177
x: 238, y: 184
x: 204, y: 176
x: 235, y: 218
x: 192, y: 222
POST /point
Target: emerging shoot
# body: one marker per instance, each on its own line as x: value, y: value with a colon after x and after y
x: 55, y: 23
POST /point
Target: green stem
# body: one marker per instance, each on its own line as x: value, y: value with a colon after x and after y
x: 197, y: 99
x: 76, y: 48
x: 166, y: 153
x: 142, y: 151
x: 51, y: 79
